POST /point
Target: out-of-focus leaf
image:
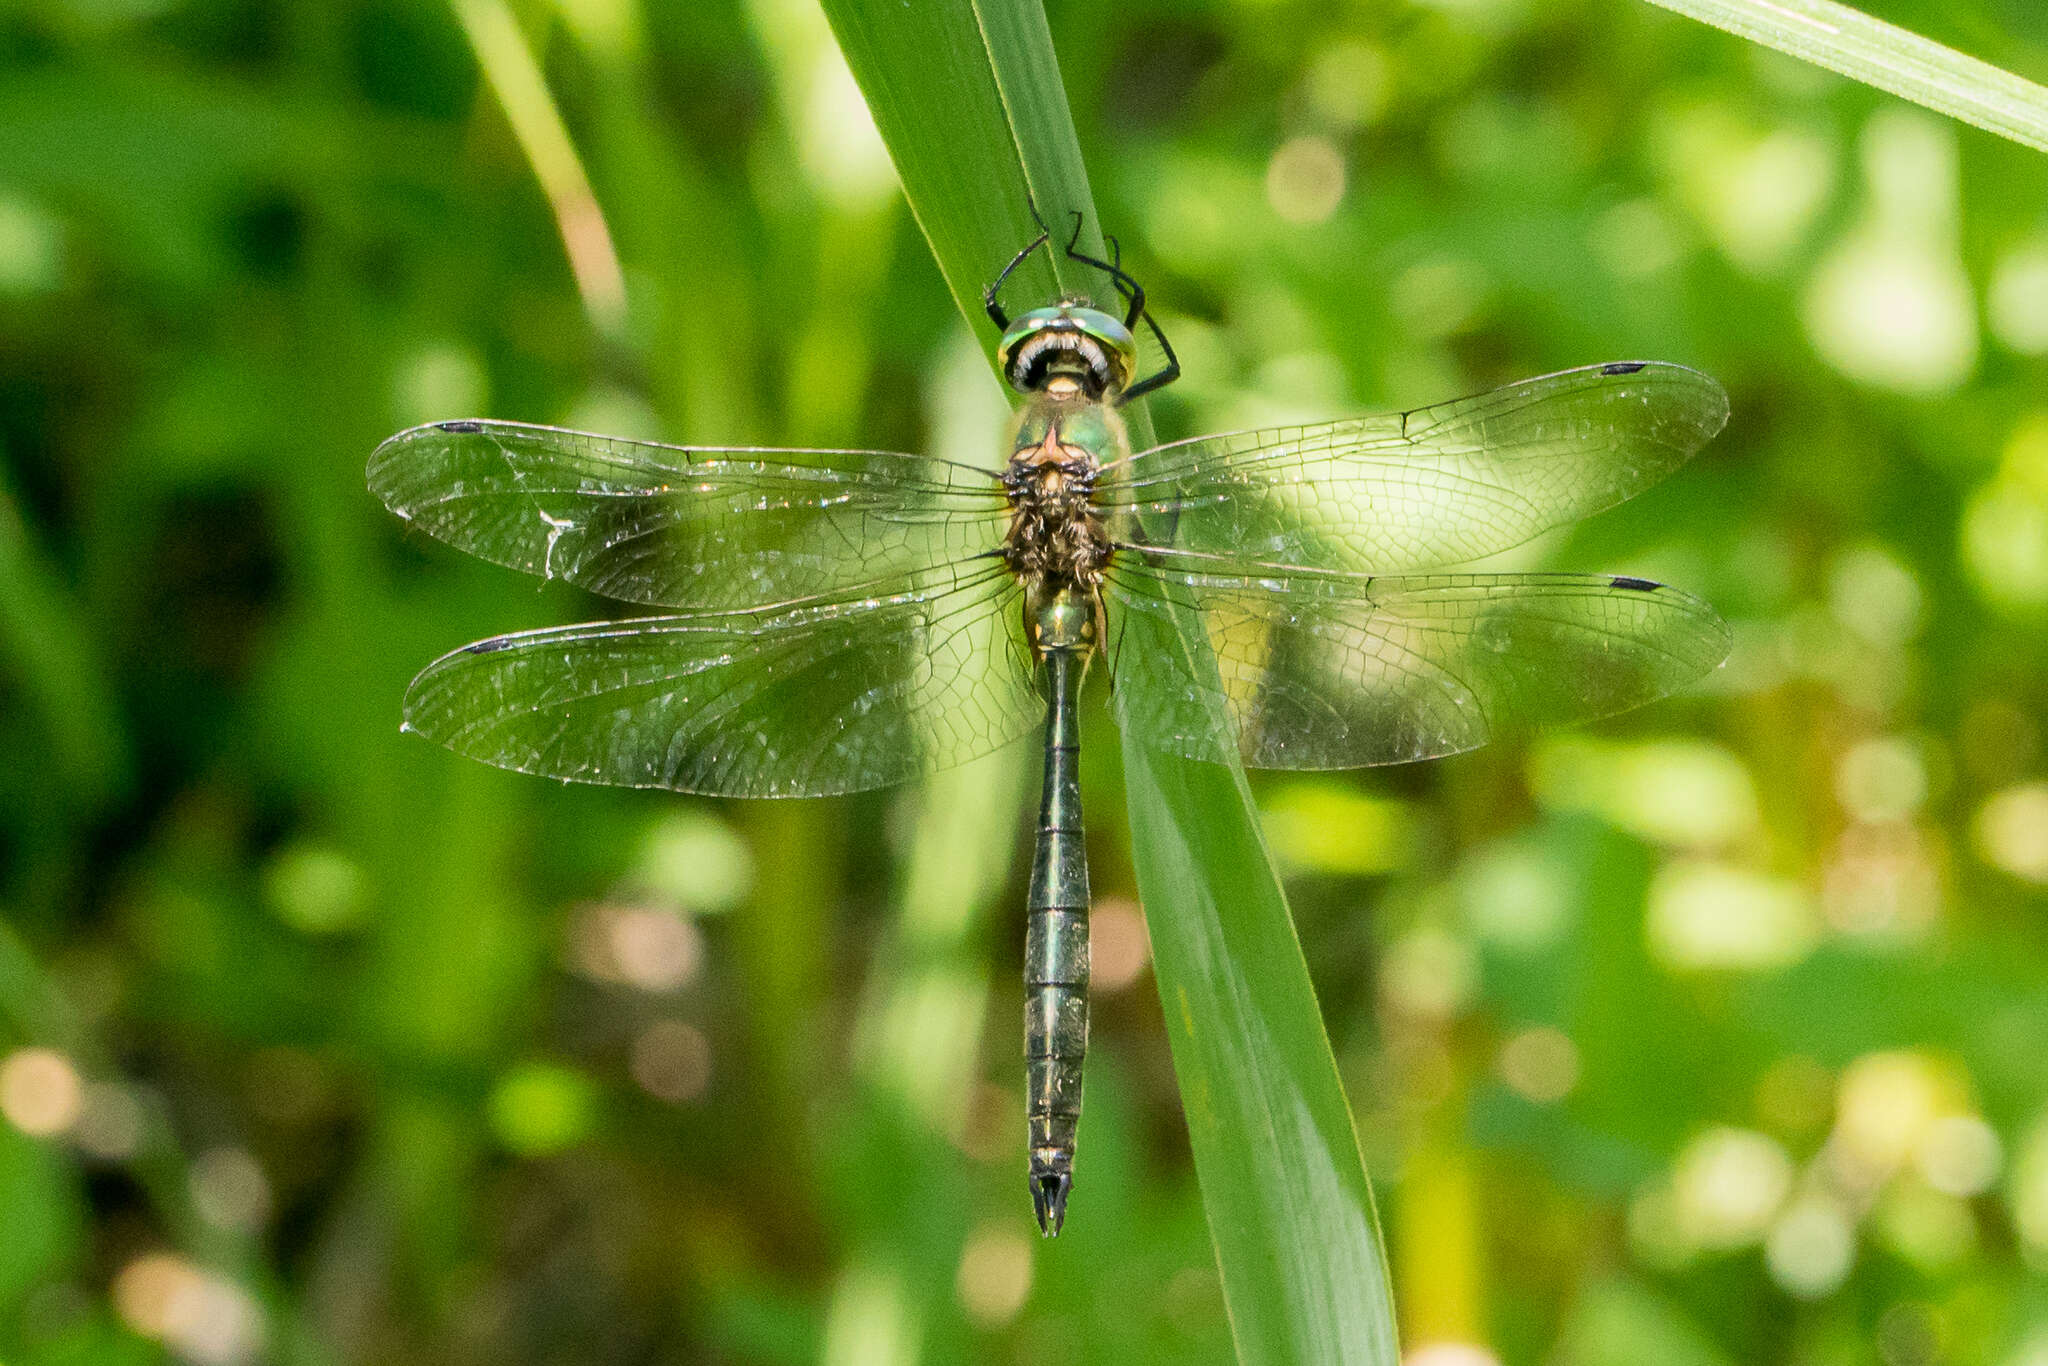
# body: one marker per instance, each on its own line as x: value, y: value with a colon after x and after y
x: 1890, y: 58
x: 43, y: 1210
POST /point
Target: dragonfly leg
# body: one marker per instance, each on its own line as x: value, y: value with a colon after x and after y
x: 1134, y: 308
x: 1164, y: 376
x: 989, y: 298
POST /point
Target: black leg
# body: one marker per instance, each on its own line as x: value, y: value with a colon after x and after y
x: 988, y: 298
x: 1125, y: 285
x: 1133, y: 294
x: 1134, y: 300
x: 1167, y: 374
x: 996, y: 314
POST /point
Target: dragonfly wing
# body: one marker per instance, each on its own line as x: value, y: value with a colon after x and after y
x: 1314, y: 669
x: 676, y: 526
x: 1438, y: 486
x: 809, y: 701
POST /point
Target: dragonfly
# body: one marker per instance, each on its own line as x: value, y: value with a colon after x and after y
x: 836, y: 621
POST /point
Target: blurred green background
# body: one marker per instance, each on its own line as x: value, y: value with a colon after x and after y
x: 1716, y: 1033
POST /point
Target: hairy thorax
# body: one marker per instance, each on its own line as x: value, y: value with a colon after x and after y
x: 1056, y: 539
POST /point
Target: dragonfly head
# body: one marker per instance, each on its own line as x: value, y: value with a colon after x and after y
x: 1069, y: 341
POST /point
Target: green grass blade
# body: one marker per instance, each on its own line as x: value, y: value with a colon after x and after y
x: 522, y: 91
x: 1285, y: 1190
x: 969, y: 100
x: 1866, y: 49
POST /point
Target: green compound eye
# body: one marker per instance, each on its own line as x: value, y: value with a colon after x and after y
x: 1070, y: 339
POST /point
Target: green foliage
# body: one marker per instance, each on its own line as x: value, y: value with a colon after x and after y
x: 1709, y: 1033
x: 1869, y: 50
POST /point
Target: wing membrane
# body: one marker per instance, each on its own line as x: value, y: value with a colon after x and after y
x: 814, y: 700
x: 1318, y: 670
x: 1438, y: 486
x: 678, y: 526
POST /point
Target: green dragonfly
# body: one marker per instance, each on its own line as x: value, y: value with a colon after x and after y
x: 843, y: 620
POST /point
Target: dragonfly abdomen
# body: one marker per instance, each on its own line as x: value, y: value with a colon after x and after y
x: 1056, y: 949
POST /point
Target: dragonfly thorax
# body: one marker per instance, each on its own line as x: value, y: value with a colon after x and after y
x: 1057, y: 538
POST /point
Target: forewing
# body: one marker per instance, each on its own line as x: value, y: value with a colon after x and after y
x: 826, y: 698
x: 1438, y: 486
x: 675, y: 526
x: 1316, y: 670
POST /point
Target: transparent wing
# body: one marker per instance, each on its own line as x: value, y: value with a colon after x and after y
x: 1315, y: 669
x: 1438, y: 486
x: 679, y: 526
x: 808, y: 701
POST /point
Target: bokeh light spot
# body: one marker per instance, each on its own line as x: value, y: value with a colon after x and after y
x: 230, y: 1190
x: 1541, y: 1064
x: 1350, y: 83
x: 440, y: 380
x: 994, y: 1278
x: 2011, y: 831
x: 842, y: 150
x: 1328, y: 827
x: 1429, y: 973
x: 2032, y: 1352
x: 1119, y: 946
x: 110, y: 1123
x: 1711, y: 915
x: 1729, y: 1184
x: 671, y: 1061
x: 1756, y: 193
x: 31, y: 247
x: 40, y: 1092
x: 1449, y: 1354
x: 540, y: 1108
x: 203, y: 1316
x: 1891, y: 304
x: 2028, y: 1195
x: 1894, y: 313
x: 648, y: 947
x: 610, y: 26
x: 1516, y: 895
x: 1884, y: 1108
x: 1637, y: 239
x: 316, y: 888
x: 1876, y: 596
x: 1305, y: 180
x: 697, y: 860
x: 2018, y: 299
x: 1811, y: 1247
x: 1882, y: 779
x: 1685, y: 793
x: 2005, y: 543
x: 1959, y: 1155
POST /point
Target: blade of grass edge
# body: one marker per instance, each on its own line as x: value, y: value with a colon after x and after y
x: 1853, y: 44
x: 969, y: 101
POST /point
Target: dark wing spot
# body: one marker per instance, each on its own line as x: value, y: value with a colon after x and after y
x: 1619, y: 581
x: 1623, y: 367
x: 484, y: 647
x: 461, y: 428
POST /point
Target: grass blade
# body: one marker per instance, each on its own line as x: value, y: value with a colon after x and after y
x: 515, y: 78
x: 968, y: 99
x: 1853, y: 44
